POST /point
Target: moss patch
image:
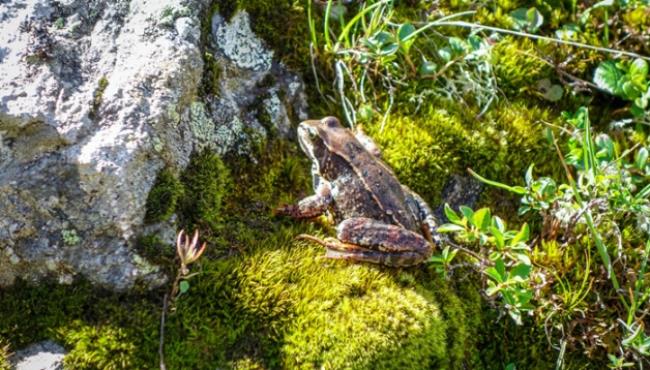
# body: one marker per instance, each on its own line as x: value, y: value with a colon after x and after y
x: 162, y: 199
x: 4, y: 354
x: 425, y: 149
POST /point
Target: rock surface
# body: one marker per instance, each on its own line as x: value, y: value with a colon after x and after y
x: 97, y: 97
x: 45, y: 355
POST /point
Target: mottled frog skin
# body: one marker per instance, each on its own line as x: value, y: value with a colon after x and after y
x: 378, y: 219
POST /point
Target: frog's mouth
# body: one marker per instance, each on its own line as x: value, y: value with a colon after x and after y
x: 307, y: 134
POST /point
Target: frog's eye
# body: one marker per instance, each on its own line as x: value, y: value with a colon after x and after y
x: 331, y: 121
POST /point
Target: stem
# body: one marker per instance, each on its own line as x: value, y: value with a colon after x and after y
x: 161, y: 344
x: 326, y: 25
x: 439, y: 23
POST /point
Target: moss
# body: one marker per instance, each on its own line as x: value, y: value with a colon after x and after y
x: 4, y: 354
x: 98, y: 96
x: 98, y: 347
x: 517, y: 65
x: 212, y: 71
x: 425, y: 149
x: 295, y: 311
x: 206, y: 181
x: 163, y: 197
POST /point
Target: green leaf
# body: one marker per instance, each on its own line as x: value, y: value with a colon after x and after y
x: 467, y: 212
x: 521, y: 270
x: 535, y: 19
x: 522, y: 235
x: 451, y: 215
x: 641, y: 158
x: 494, y: 274
x: 482, y: 219
x: 404, y: 31
x: 427, y: 68
x: 529, y: 174
x: 499, y: 223
x: 450, y: 228
x: 184, y: 286
x: 498, y: 237
x: 530, y: 19
x: 457, y: 45
x: 607, y: 77
x: 638, y: 71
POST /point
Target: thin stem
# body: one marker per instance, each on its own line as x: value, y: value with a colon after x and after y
x: 161, y: 344
x: 441, y: 23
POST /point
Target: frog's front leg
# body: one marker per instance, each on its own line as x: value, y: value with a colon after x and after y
x: 379, y: 242
x: 312, y: 206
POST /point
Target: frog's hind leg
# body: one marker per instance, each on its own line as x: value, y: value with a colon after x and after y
x: 382, y: 243
x: 402, y: 259
x: 339, y: 250
x: 333, y: 244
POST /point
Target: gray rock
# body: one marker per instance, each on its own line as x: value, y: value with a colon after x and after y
x: 95, y: 98
x: 459, y: 191
x: 45, y: 355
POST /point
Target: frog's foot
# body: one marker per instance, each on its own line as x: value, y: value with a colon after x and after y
x: 383, y: 243
x: 337, y: 249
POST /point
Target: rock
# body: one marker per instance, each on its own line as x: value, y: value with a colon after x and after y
x: 45, y: 355
x: 96, y: 98
x: 459, y: 191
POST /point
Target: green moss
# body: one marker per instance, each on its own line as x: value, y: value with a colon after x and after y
x: 163, y: 196
x: 211, y: 75
x: 295, y: 311
x: 98, y: 96
x: 4, y: 354
x: 425, y: 149
x: 517, y: 65
x: 206, y: 181
x: 98, y: 347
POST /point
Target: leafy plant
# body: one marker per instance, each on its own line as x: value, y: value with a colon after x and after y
x: 606, y: 191
x: 627, y: 80
x: 504, y: 253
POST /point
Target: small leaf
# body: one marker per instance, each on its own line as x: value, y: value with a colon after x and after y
x: 607, y: 77
x: 522, y: 235
x: 529, y: 174
x: 184, y: 286
x: 638, y: 70
x: 404, y: 31
x: 482, y: 219
x: 450, y: 228
x: 457, y: 45
x: 641, y: 158
x: 535, y: 19
x: 467, y: 212
x: 494, y: 274
x: 427, y: 68
x: 521, y: 270
x: 498, y: 237
x: 445, y: 53
x: 451, y: 215
x: 499, y: 223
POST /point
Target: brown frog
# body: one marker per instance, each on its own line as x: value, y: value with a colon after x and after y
x: 378, y: 219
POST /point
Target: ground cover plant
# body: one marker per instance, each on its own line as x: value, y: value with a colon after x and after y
x: 545, y: 101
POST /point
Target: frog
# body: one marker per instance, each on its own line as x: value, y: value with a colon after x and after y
x: 378, y: 220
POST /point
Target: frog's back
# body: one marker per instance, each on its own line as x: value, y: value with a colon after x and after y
x: 368, y: 188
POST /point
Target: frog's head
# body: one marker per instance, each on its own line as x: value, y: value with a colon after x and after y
x: 317, y: 136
